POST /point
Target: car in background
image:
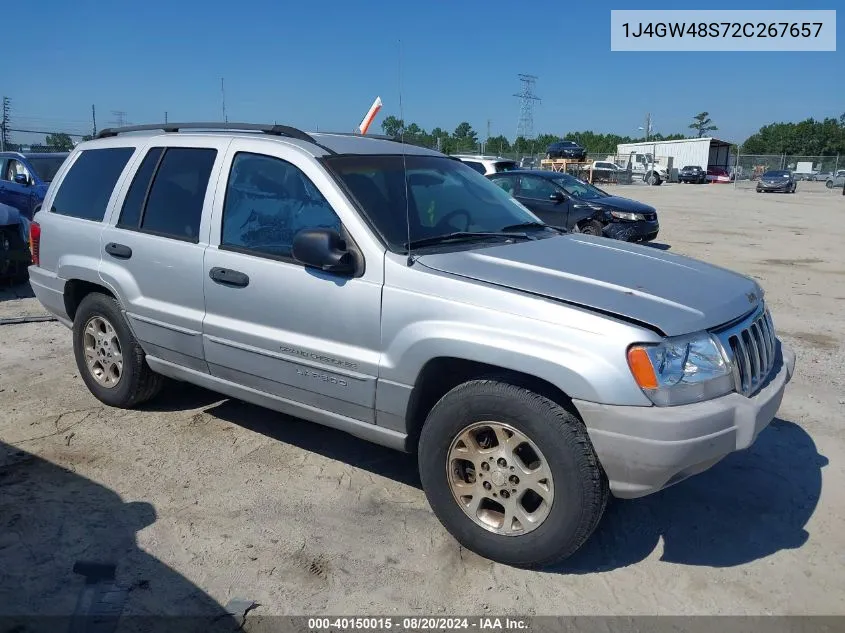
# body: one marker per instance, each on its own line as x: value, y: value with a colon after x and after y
x: 604, y: 171
x: 486, y: 165
x: 562, y: 200
x: 14, y: 245
x: 821, y: 176
x: 836, y: 181
x: 566, y: 149
x: 24, y: 178
x: 692, y: 174
x: 777, y: 180
x: 718, y: 175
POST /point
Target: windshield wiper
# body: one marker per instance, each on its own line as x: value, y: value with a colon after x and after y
x: 533, y: 225
x: 462, y: 236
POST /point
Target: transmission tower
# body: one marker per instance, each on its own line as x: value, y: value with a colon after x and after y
x: 119, y: 118
x: 527, y: 99
x: 5, y: 137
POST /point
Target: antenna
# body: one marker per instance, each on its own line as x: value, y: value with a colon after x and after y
x: 404, y: 161
x: 223, y: 93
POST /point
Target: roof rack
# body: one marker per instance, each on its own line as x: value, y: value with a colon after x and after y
x: 382, y: 137
x: 275, y: 130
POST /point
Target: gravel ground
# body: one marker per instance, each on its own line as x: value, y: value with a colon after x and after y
x: 197, y: 499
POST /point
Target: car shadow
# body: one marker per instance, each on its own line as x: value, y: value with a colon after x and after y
x: 322, y: 440
x: 70, y: 558
x: 751, y: 505
x: 11, y: 292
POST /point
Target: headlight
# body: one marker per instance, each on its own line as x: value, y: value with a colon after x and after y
x: 681, y: 370
x: 624, y: 215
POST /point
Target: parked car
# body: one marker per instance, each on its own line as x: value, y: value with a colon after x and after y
x: 718, y: 175
x: 604, y: 171
x: 391, y: 292
x: 487, y: 164
x: 836, y: 181
x: 566, y: 149
x: 692, y: 174
x: 14, y: 248
x: 822, y: 176
x: 24, y: 179
x: 774, y: 180
x: 563, y: 200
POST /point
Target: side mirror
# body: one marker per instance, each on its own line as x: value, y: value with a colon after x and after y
x: 324, y: 249
x: 557, y: 196
x: 22, y: 179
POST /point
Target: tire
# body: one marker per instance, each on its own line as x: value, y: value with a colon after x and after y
x: 829, y: 184
x: 577, y: 486
x: 136, y: 382
x: 591, y: 227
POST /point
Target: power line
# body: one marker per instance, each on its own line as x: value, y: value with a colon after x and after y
x: 527, y: 99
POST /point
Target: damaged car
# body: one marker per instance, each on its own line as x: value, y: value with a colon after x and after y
x: 565, y: 201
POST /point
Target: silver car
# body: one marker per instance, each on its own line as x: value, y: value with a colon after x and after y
x: 396, y: 294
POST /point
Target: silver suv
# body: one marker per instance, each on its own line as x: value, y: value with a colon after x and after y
x: 396, y: 294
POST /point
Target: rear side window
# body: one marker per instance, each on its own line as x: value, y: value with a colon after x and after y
x: 476, y: 166
x: 87, y: 187
x: 172, y: 205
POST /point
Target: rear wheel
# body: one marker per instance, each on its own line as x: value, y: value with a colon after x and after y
x: 110, y: 360
x: 829, y: 184
x: 511, y: 474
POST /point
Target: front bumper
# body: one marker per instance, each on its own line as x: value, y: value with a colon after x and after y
x: 632, y: 231
x: 777, y: 187
x: 646, y: 449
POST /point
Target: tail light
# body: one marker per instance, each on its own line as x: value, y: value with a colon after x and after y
x: 35, y: 242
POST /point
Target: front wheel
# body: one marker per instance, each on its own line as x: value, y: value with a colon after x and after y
x: 829, y: 184
x: 591, y: 227
x: 521, y: 486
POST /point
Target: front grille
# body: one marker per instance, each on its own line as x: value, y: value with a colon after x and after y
x: 751, y: 346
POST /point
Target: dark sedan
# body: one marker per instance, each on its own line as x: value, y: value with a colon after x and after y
x: 566, y: 149
x: 562, y: 200
x: 780, y: 180
x: 693, y: 174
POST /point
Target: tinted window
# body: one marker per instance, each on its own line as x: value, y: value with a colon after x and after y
x: 476, y: 166
x: 534, y: 187
x: 174, y: 205
x: 46, y: 166
x: 87, y: 187
x: 268, y: 201
x: 134, y: 202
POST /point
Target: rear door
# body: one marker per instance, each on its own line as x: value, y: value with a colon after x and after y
x: 296, y: 333
x: 153, y: 246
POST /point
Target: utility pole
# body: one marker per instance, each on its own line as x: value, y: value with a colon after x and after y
x: 165, y: 117
x: 223, y: 93
x: 93, y: 120
x: 4, y: 124
x: 527, y: 99
x: 647, y: 126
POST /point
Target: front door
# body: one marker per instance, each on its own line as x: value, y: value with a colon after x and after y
x: 536, y: 194
x: 303, y: 336
x: 152, y: 250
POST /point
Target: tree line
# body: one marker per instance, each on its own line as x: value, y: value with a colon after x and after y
x: 806, y: 138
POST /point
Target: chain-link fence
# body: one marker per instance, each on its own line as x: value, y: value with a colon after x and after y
x: 749, y: 168
x: 14, y: 139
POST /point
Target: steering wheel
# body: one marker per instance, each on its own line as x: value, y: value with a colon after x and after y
x: 444, y: 221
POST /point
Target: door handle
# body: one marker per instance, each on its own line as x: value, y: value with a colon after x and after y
x: 229, y: 277
x: 121, y: 251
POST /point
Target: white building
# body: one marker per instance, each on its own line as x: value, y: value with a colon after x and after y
x: 702, y: 152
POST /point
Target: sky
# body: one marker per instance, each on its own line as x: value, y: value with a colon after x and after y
x: 320, y: 64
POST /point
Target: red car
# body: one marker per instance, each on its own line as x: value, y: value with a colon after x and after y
x: 718, y: 175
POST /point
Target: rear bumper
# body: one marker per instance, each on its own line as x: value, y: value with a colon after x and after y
x: 49, y: 289
x: 646, y: 449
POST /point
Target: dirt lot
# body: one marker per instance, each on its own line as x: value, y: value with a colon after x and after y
x: 197, y: 499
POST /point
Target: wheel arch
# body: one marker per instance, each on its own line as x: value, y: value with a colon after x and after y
x: 77, y: 289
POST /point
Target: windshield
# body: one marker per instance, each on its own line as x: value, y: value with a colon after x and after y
x: 445, y: 196
x: 776, y: 174
x: 578, y: 188
x: 46, y: 166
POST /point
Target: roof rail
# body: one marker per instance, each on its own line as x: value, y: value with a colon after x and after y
x: 382, y: 137
x: 276, y: 130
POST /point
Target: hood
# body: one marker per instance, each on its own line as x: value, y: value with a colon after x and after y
x: 673, y: 293
x: 621, y: 204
